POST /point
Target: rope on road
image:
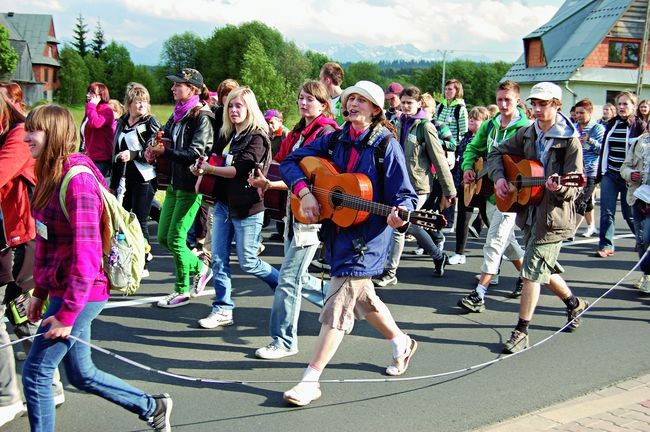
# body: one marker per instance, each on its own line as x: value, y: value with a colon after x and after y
x: 337, y: 381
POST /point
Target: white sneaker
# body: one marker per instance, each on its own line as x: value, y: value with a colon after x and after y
x: 645, y: 285
x: 217, y: 319
x: 10, y: 412
x: 201, y: 280
x: 418, y: 251
x: 457, y: 259
x: 173, y: 300
x: 493, y: 281
x: 589, y: 231
x: 272, y: 352
x: 303, y: 393
x: 59, y: 399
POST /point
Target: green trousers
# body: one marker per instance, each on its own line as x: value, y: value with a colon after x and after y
x: 176, y: 218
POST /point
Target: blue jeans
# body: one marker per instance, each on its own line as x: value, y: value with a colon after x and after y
x: 294, y: 282
x: 611, y: 186
x: 45, y: 356
x: 246, y: 232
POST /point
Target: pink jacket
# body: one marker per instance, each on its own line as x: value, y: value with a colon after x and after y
x: 99, y: 132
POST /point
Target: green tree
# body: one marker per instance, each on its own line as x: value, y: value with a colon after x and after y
x: 96, y: 69
x: 119, y: 69
x: 79, y: 35
x: 8, y: 55
x: 98, y: 42
x: 362, y: 71
x: 74, y: 77
x: 144, y: 75
x: 270, y: 87
x: 181, y: 50
x: 316, y: 61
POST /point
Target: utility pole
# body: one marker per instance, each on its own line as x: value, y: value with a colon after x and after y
x: 444, y: 68
x: 644, y: 48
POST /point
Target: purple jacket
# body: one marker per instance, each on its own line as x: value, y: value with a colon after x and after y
x: 68, y: 261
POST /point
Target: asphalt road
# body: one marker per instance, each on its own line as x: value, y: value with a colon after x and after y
x: 612, y: 345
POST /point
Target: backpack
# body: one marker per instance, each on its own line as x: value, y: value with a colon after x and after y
x: 122, y: 241
x: 456, y: 115
x: 448, y: 142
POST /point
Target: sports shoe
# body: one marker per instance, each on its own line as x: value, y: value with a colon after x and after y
x: 572, y: 315
x: 641, y: 281
x: 409, y: 238
x: 518, y: 342
x: 472, y: 302
x: 418, y: 251
x: 160, y: 419
x: 385, y: 280
x: 59, y: 399
x: 644, y: 288
x: 440, y: 265
x: 457, y: 259
x: 589, y: 231
x: 201, y: 280
x: 303, y: 393
x: 493, y: 281
x: 260, y: 248
x: 519, y: 287
x: 173, y: 300
x: 10, y: 412
x: 148, y: 257
x: 217, y: 319
x: 272, y: 352
x: 401, y: 363
x: 473, y: 231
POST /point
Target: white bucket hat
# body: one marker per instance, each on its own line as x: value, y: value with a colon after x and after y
x: 368, y: 90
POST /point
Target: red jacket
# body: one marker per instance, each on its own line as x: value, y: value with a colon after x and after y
x: 99, y: 132
x: 16, y: 177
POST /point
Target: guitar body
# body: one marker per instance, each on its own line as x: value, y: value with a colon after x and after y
x: 516, y: 171
x: 329, y: 187
x: 481, y: 186
x: 164, y: 168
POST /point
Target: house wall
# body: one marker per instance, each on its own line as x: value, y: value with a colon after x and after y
x: 599, y: 58
x: 596, y: 92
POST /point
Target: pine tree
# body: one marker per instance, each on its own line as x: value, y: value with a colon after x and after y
x: 79, y: 36
x: 98, y: 40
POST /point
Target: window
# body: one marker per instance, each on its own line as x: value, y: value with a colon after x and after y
x: 624, y: 53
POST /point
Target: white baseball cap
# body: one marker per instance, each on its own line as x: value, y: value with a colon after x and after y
x: 368, y: 90
x: 545, y: 91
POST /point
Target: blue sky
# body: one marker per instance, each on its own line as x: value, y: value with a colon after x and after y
x: 492, y: 27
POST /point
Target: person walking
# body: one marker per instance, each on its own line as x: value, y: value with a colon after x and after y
x: 356, y: 252
x: 97, y: 128
x: 620, y: 133
x: 190, y: 130
x: 68, y: 270
x: 300, y: 240
x: 552, y: 140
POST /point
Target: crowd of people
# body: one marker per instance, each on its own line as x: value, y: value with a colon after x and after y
x: 412, y: 155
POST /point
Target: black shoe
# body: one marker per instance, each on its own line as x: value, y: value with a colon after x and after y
x: 440, y: 264
x: 572, y: 315
x: 472, y: 302
x: 519, y: 287
x: 160, y: 419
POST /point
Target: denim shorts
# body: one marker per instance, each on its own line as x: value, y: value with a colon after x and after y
x: 540, y: 261
x: 349, y: 298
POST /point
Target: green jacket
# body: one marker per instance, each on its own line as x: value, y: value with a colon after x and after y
x: 487, y: 136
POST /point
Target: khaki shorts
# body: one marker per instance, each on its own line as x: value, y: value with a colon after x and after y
x: 540, y: 261
x: 348, y: 298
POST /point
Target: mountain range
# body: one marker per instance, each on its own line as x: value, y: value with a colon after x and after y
x: 343, y: 53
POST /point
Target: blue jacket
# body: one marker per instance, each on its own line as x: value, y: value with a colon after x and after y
x: 375, y: 232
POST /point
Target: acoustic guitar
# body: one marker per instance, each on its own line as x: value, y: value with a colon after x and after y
x: 163, y: 166
x: 527, y: 180
x: 481, y: 186
x: 206, y: 184
x: 346, y: 199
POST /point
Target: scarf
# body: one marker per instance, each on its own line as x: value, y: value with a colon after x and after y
x: 180, y: 109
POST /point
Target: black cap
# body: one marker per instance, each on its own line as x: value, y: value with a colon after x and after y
x: 188, y: 76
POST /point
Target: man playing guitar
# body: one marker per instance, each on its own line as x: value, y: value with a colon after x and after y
x: 552, y: 140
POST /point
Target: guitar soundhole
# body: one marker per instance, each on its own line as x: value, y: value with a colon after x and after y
x: 337, y: 197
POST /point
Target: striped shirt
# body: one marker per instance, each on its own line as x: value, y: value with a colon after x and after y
x: 591, y: 146
x: 446, y: 115
x: 617, y: 141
